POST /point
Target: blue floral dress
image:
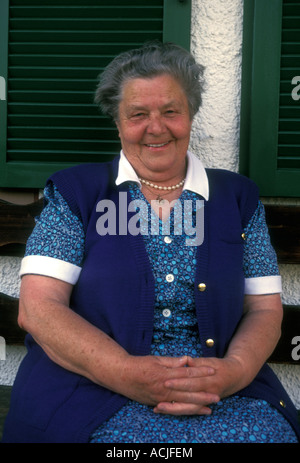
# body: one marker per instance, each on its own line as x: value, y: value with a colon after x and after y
x: 233, y: 419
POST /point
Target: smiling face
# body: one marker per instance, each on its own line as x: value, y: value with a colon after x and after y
x: 154, y: 127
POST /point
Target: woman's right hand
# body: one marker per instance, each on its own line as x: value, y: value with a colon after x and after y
x: 143, y: 379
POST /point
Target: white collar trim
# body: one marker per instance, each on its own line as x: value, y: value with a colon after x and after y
x: 196, y: 177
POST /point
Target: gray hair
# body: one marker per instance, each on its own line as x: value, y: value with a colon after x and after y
x: 151, y: 60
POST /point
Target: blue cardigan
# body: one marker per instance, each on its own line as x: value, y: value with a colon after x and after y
x: 115, y: 292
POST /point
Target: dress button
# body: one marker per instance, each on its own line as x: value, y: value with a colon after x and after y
x: 167, y: 239
x: 166, y: 312
x: 202, y: 286
x: 282, y: 403
x: 170, y: 278
x: 210, y: 342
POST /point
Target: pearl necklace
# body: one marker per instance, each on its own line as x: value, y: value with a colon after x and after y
x: 159, y: 198
x: 159, y: 187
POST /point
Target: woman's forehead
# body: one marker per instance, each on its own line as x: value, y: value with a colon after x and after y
x: 164, y: 88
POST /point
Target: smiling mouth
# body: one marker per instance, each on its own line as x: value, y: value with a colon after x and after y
x: 157, y: 145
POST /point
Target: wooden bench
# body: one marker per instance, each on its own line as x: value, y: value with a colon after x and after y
x: 17, y: 222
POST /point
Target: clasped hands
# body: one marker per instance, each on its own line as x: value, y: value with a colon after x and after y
x: 180, y: 386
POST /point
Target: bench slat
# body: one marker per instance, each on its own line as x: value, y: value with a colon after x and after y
x: 284, y: 228
x: 17, y: 221
x: 9, y: 327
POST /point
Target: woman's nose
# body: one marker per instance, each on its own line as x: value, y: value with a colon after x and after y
x: 156, y: 126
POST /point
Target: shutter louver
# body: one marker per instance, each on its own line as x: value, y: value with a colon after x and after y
x: 56, y: 50
x: 289, y: 108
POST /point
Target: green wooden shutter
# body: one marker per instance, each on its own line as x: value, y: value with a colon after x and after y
x: 289, y: 106
x: 51, y: 53
x: 270, y: 116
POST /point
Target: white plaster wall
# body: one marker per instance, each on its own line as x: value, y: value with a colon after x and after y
x: 9, y: 278
x: 216, y: 42
x: 10, y: 284
x: 9, y: 366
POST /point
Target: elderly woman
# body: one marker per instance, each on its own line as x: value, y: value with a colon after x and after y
x: 137, y: 335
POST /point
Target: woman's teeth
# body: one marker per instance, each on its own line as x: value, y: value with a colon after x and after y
x: 157, y: 145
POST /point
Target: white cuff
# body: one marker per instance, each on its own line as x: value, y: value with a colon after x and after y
x: 50, y: 267
x: 263, y: 285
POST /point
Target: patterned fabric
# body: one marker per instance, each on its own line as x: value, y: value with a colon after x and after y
x: 259, y: 256
x: 233, y: 419
x: 59, y: 234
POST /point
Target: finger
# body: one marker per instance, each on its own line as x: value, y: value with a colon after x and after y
x: 177, y: 408
x: 173, y: 362
x: 200, y: 362
x: 190, y: 379
x: 198, y: 398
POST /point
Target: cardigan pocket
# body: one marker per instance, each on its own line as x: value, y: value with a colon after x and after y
x: 47, y: 387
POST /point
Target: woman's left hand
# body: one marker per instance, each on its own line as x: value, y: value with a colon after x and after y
x: 251, y: 346
x: 225, y: 381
